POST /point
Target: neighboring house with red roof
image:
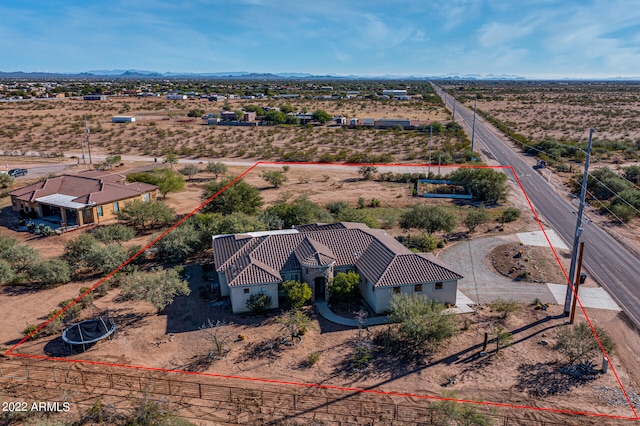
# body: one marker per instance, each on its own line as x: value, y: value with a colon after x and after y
x: 81, y: 199
x: 259, y: 262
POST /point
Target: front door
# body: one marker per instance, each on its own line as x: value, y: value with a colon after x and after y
x: 318, y: 290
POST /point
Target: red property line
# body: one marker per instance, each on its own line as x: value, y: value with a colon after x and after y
x: 313, y: 385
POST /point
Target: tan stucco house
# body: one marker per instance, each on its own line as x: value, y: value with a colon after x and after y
x: 259, y: 262
x: 82, y: 199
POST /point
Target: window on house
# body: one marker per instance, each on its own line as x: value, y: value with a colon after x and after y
x: 146, y: 197
x: 116, y: 207
x: 246, y: 291
x: 396, y: 290
x: 263, y: 290
x: 99, y: 211
x: 417, y: 288
x: 438, y: 286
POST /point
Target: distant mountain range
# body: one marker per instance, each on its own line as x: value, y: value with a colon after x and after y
x: 141, y: 74
x: 134, y: 74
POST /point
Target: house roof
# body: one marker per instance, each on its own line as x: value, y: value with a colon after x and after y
x: 84, y: 189
x: 247, y: 260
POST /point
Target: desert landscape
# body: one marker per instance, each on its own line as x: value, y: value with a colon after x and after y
x: 523, y: 369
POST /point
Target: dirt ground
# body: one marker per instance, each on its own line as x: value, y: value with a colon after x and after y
x: 525, y: 373
x: 47, y: 128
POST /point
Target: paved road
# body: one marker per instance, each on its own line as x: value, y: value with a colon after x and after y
x: 607, y: 261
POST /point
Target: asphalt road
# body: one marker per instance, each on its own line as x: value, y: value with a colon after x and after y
x: 612, y: 265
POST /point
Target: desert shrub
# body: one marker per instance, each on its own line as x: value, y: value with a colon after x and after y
x: 359, y: 216
x: 189, y: 170
x: 344, y: 286
x: 50, y: 272
x: 72, y: 311
x: 275, y: 177
x: 428, y: 218
x: 299, y: 212
x: 180, y: 243
x: 505, y: 307
x: 158, y: 287
x: 6, y: 273
x: 476, y: 217
x: 239, y: 197
x: 105, y: 259
x: 486, y: 185
x: 423, y: 242
x: 216, y: 168
x: 510, y: 214
x: 335, y: 207
x: 140, y: 214
x: 87, y: 300
x: 297, y: 293
x: 313, y: 358
x: 114, y: 233
x: 423, y: 323
x: 30, y: 329
x: 578, y: 343
x: 259, y: 304
x: 624, y: 212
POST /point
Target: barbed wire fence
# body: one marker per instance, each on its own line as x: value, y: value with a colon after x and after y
x: 230, y: 401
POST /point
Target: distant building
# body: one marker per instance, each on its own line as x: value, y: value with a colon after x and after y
x: 340, y: 120
x: 369, y: 122
x: 386, y: 123
x: 217, y: 98
x: 176, y: 97
x: 122, y: 119
x: 95, y: 97
x: 395, y: 92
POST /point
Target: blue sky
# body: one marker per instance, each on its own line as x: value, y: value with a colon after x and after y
x: 530, y: 38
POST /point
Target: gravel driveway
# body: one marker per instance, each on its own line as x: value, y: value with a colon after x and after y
x: 481, y: 282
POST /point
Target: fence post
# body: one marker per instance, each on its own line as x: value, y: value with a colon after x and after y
x: 294, y: 401
x: 200, y: 390
x: 395, y: 412
x: 54, y: 373
x: 26, y: 371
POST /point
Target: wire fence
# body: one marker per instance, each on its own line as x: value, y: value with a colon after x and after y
x: 234, y: 401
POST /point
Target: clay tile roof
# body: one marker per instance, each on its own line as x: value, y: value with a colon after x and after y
x: 413, y: 268
x: 379, y: 257
x: 85, y: 188
x: 313, y: 253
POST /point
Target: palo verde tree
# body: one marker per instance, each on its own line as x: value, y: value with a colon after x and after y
x: 579, y: 344
x: 428, y: 219
x: 217, y: 168
x: 423, y: 323
x: 275, y: 177
x: 476, y: 216
x: 238, y: 197
x: 142, y: 215
x: 487, y: 185
x: 158, y: 286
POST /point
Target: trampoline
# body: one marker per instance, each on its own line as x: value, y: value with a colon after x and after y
x: 85, y: 333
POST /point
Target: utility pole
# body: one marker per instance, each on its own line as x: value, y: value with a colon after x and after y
x: 473, y: 128
x: 577, y: 282
x: 88, y: 142
x: 578, y: 233
x: 454, y: 105
x: 83, y: 160
x: 430, y: 141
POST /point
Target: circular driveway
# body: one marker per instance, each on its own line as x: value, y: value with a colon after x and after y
x: 481, y: 282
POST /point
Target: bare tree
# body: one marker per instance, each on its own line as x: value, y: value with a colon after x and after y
x: 219, y: 338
